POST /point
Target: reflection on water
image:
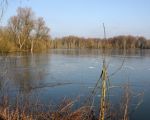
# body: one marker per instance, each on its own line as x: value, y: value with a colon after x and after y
x: 72, y: 73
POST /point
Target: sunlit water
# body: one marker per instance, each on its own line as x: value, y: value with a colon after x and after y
x: 74, y: 73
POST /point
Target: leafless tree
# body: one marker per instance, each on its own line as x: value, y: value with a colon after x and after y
x: 21, y: 25
x: 27, y: 29
x: 40, y: 32
x: 3, y: 6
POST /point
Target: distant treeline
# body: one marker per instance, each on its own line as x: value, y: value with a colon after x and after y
x: 119, y: 42
x: 26, y: 32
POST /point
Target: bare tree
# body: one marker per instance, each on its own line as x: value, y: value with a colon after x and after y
x: 40, y: 32
x: 26, y: 29
x: 3, y: 6
x: 22, y: 25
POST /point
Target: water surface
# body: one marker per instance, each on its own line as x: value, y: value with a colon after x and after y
x: 74, y: 73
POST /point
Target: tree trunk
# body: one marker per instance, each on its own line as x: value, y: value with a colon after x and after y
x: 31, y: 46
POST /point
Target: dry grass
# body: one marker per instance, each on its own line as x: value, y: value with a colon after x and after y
x: 36, y: 112
x: 64, y: 111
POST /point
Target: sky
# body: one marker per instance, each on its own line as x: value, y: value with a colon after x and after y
x: 84, y: 18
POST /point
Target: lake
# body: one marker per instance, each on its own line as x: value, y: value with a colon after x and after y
x: 63, y: 73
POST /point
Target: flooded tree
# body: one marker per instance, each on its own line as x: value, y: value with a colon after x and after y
x: 26, y: 29
x: 40, y: 32
x: 21, y: 26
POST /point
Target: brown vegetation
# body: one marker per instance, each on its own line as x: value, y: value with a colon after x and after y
x: 119, y: 42
x: 36, y: 111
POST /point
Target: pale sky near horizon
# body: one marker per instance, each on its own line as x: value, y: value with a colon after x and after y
x: 85, y: 17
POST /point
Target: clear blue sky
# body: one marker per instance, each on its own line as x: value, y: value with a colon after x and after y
x: 85, y: 17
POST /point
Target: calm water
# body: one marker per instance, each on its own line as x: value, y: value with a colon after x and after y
x: 73, y: 73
